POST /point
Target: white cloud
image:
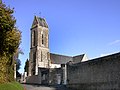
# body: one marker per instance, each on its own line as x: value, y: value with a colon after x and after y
x: 115, y: 42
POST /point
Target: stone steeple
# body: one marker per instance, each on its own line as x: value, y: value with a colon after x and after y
x: 39, y: 21
x: 39, y: 51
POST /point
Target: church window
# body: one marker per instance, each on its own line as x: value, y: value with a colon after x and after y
x: 42, y: 39
x: 34, y: 63
x: 34, y: 57
x: 34, y: 38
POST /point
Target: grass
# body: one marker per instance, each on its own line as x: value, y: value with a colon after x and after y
x: 11, y: 86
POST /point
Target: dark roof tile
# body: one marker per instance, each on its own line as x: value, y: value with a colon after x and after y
x: 42, y: 22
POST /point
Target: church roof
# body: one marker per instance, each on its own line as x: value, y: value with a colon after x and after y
x: 62, y: 59
x: 59, y: 59
x: 41, y: 21
x: 78, y: 57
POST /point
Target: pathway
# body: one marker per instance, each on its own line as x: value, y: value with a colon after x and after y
x: 39, y: 87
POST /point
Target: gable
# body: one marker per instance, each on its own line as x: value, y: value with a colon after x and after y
x: 78, y: 58
x: 35, y: 22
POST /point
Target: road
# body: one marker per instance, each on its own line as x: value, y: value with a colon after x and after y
x: 39, y: 87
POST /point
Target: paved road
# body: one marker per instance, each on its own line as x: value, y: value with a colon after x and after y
x: 38, y: 87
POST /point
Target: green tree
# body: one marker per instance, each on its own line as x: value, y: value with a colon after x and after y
x: 16, y: 58
x: 10, y: 38
x: 18, y: 64
x: 26, y: 68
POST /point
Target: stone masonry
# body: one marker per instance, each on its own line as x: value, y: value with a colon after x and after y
x: 42, y: 63
x: 97, y: 74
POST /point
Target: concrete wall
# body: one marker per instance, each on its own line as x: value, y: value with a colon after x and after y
x: 97, y: 74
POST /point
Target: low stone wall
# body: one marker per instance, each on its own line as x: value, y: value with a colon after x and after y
x: 35, y: 79
x: 97, y: 74
x: 95, y: 86
x: 55, y: 76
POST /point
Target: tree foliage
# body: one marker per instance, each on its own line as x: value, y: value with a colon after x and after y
x: 16, y: 55
x: 18, y: 63
x: 26, y: 68
x: 9, y: 34
x: 10, y: 38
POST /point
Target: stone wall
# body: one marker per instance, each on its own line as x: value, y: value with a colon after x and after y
x: 55, y: 76
x: 97, y: 74
x: 34, y: 79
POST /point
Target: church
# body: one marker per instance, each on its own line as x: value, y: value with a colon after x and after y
x: 46, y: 67
x: 76, y: 72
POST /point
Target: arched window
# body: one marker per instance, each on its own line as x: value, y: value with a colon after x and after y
x: 34, y: 57
x: 34, y: 63
x: 34, y: 38
x: 42, y: 39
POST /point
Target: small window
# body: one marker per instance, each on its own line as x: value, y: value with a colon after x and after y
x: 34, y: 57
x: 42, y: 39
x: 34, y: 38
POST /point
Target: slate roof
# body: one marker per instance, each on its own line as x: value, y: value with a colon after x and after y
x: 59, y: 59
x: 78, y: 57
x: 62, y: 59
x: 41, y: 22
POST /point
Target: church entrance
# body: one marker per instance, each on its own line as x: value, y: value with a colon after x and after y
x: 44, y: 76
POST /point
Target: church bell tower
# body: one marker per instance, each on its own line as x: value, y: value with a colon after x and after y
x: 39, y: 49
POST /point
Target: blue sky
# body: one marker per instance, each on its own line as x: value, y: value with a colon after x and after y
x: 75, y: 26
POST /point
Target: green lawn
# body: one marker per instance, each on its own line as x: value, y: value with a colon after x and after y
x: 11, y: 86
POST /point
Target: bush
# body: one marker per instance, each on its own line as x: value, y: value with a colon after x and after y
x: 3, y: 70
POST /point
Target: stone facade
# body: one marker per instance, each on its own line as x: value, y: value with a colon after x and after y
x: 56, y: 75
x: 42, y: 63
x: 39, y: 51
x: 78, y: 72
